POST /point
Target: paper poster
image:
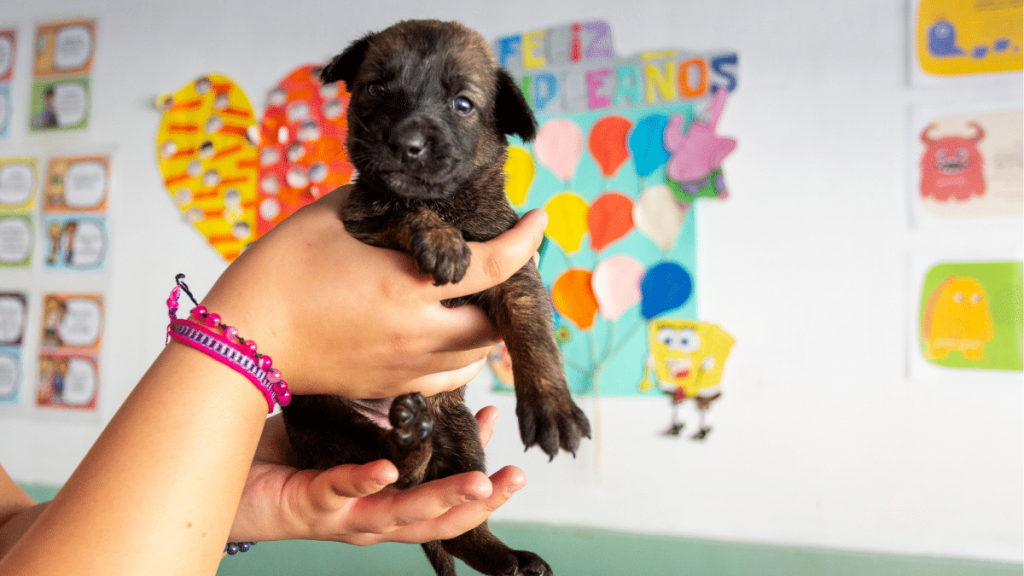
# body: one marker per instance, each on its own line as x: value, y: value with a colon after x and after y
x: 74, y: 219
x: 77, y: 183
x: 957, y: 38
x: 60, y: 98
x: 13, y: 317
x: 70, y: 341
x: 8, y: 41
x: 75, y: 243
x: 206, y: 150
x: 16, y: 237
x: 235, y: 181
x: 302, y: 145
x: 625, y: 151
x: 17, y: 184
x: 968, y: 317
x: 968, y: 165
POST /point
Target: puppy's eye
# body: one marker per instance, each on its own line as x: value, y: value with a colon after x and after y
x: 375, y: 89
x: 462, y: 105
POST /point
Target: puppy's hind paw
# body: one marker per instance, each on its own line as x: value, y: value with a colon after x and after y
x: 553, y: 427
x: 411, y: 422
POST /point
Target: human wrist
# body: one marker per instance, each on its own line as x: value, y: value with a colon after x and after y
x: 204, y: 331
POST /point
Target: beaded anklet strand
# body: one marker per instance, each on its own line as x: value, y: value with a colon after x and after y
x: 226, y: 346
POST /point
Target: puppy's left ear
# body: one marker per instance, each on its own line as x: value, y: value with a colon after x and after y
x: 511, y: 111
x: 345, y: 66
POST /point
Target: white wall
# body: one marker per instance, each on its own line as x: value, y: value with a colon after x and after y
x: 820, y: 439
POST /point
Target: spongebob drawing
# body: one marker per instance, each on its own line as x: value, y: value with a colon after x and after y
x: 957, y: 319
x: 685, y: 360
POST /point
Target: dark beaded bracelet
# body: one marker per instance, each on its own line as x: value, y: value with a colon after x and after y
x: 233, y: 548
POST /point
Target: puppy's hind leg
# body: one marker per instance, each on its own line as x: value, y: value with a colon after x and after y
x: 440, y: 559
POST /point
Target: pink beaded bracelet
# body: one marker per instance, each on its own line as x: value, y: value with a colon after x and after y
x: 226, y: 346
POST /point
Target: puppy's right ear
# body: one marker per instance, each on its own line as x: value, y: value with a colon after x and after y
x: 345, y: 66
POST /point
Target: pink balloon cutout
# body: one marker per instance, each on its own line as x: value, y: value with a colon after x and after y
x: 559, y: 147
x: 610, y: 218
x: 616, y: 285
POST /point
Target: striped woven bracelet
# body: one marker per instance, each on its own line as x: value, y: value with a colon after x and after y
x: 204, y: 331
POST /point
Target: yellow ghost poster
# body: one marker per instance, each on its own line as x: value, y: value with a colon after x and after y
x: 970, y: 316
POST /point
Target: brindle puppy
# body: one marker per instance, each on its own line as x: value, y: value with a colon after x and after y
x: 428, y: 117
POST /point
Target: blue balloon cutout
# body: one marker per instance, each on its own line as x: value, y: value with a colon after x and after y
x: 666, y: 286
x: 647, y: 144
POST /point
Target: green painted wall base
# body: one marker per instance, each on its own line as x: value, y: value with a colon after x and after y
x: 591, y: 552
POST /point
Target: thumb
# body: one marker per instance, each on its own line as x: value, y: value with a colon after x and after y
x: 331, y: 488
x: 496, y: 260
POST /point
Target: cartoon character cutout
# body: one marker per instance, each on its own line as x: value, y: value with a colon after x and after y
x: 957, y: 319
x: 951, y: 166
x: 685, y: 360
x: 695, y: 165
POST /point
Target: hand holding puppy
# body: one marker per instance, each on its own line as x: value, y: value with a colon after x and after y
x: 344, y: 318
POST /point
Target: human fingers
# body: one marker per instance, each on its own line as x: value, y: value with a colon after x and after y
x: 462, y: 518
x: 495, y: 261
x: 331, y: 489
x: 393, y: 511
x: 486, y: 418
x: 443, y: 381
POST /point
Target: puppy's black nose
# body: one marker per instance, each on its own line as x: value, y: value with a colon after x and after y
x: 412, y: 143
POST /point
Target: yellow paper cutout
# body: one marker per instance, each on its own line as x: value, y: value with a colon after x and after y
x: 567, y: 220
x: 209, y: 163
x: 957, y: 319
x: 685, y: 355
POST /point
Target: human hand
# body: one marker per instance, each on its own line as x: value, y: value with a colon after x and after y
x: 344, y: 318
x: 352, y: 504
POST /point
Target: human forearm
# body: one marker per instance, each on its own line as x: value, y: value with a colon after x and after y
x: 166, y: 474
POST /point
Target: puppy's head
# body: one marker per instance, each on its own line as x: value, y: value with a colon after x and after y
x: 430, y: 108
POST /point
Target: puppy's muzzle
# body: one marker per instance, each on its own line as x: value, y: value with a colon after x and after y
x: 410, y: 140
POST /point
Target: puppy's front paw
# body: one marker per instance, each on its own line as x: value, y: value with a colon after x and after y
x: 411, y: 422
x: 443, y: 254
x: 552, y: 421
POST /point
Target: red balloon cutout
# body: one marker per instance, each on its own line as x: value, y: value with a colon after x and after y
x: 610, y: 218
x: 607, y: 143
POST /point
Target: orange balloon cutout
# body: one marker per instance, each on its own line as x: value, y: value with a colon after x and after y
x: 610, y: 218
x: 607, y: 143
x: 520, y: 170
x: 573, y: 297
x: 567, y: 220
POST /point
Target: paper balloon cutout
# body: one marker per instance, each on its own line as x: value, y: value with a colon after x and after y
x: 208, y: 161
x: 520, y: 170
x: 574, y: 298
x: 647, y: 143
x: 302, y: 145
x: 616, y: 285
x: 658, y: 216
x: 607, y: 143
x: 567, y: 221
x: 610, y: 218
x: 559, y: 147
x: 666, y: 286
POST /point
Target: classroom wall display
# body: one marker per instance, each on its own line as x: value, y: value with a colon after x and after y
x: 956, y: 38
x: 74, y: 212
x: 18, y: 185
x: 8, y: 42
x: 233, y: 179
x: 13, y: 317
x: 70, y: 342
x: 969, y: 165
x: 627, y: 148
x: 968, y: 317
x: 63, y: 54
